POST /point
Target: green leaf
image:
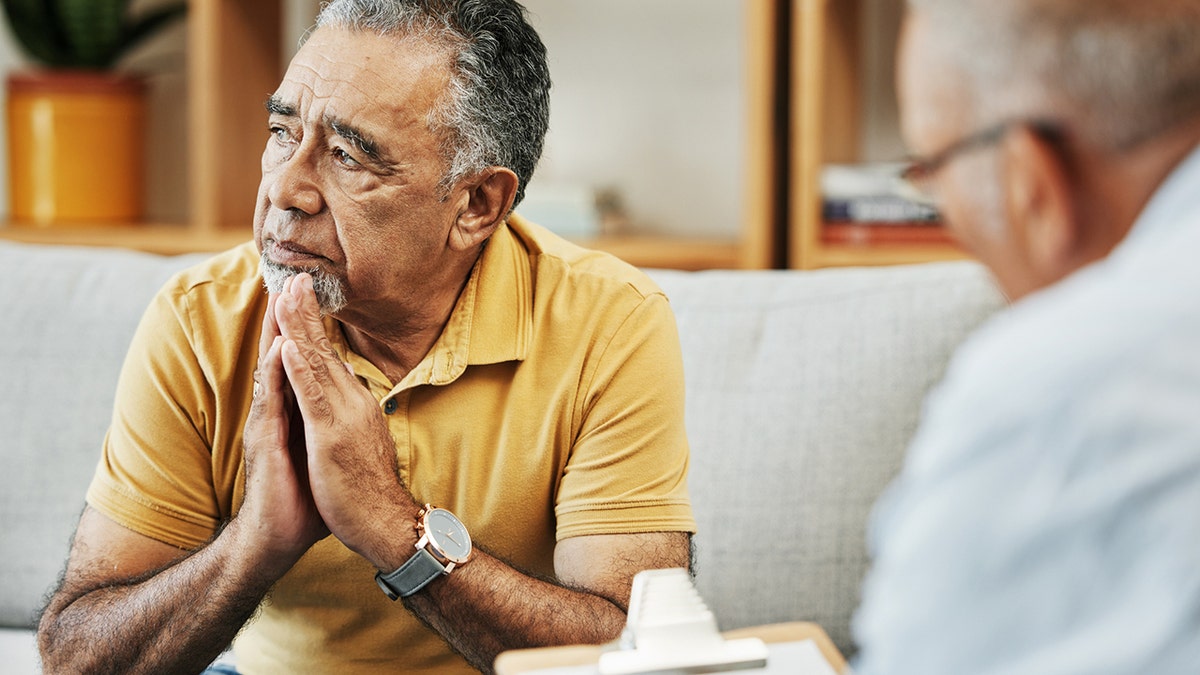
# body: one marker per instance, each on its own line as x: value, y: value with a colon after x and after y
x: 84, y: 33
x: 36, y: 27
x: 151, y: 22
x: 93, y: 28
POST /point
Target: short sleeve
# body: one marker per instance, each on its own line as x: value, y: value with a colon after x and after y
x: 155, y: 472
x: 627, y: 471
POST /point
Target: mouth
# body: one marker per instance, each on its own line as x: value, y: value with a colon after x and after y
x: 282, y: 260
x: 290, y: 254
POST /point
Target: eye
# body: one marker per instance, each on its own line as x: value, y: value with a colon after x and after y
x: 279, y: 133
x: 344, y: 157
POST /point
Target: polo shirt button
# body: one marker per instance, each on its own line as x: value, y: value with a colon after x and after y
x: 390, y: 406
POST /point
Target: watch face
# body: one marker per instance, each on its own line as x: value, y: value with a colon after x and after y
x: 448, y: 536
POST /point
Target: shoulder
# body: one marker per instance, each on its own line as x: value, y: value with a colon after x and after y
x: 1074, y: 356
x: 557, y: 261
x: 1093, y: 328
x: 217, y: 299
x: 227, y: 280
x: 235, y: 268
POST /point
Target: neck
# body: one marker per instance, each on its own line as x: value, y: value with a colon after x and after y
x: 1121, y: 183
x: 395, y: 335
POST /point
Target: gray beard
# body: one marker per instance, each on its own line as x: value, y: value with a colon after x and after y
x: 331, y: 294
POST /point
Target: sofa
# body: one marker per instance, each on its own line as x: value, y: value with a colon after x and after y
x: 803, y: 389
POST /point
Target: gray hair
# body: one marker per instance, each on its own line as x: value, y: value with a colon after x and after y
x: 497, y: 108
x: 1120, y: 71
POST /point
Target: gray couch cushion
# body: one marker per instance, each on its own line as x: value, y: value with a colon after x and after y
x: 803, y: 391
x: 18, y: 649
x: 66, y: 318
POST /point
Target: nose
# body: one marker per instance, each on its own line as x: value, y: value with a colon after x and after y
x: 295, y: 184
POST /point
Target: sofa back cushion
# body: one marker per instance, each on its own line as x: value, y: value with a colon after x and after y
x: 66, y: 317
x: 803, y: 390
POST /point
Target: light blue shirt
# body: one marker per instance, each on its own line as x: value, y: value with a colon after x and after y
x: 1047, y: 519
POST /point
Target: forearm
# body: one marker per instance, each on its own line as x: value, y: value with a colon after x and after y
x: 175, y: 620
x: 487, y: 607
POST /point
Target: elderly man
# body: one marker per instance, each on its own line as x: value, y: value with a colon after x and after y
x: 1045, y: 519
x: 272, y: 456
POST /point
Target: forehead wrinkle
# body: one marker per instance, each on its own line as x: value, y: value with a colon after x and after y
x: 335, y: 89
x: 368, y: 99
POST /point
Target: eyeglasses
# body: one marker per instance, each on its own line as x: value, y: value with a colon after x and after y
x: 917, y: 176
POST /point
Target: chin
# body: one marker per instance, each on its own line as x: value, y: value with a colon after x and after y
x: 329, y: 289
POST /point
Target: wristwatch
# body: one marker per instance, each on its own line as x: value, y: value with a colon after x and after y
x: 443, y: 545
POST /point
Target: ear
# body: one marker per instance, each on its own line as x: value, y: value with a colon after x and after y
x: 489, y: 197
x: 1040, y: 203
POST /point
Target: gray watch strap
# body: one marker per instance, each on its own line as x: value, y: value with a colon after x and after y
x: 413, y: 575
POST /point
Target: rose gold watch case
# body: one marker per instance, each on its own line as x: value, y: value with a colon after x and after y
x: 434, y: 547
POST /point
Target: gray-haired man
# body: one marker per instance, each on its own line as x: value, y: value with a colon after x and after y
x: 272, y: 457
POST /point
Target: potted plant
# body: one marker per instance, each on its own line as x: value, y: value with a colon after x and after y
x: 75, y: 126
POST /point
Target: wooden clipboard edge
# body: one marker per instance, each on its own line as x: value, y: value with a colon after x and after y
x: 520, y: 661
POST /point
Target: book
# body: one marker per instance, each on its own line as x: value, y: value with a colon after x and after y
x: 871, y: 193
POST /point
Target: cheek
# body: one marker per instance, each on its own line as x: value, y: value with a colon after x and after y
x: 390, y: 227
x: 272, y: 157
x: 262, y: 206
x: 352, y: 186
x: 974, y: 208
x: 973, y: 204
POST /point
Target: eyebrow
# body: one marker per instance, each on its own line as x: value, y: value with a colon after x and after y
x: 361, y: 140
x: 276, y: 106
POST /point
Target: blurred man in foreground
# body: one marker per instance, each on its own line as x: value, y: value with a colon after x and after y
x: 1044, y: 521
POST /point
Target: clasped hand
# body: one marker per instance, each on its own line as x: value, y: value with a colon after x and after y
x: 319, y: 458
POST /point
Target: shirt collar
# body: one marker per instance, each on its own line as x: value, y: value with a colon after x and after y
x: 502, y: 306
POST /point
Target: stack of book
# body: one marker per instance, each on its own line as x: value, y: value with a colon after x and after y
x: 867, y: 204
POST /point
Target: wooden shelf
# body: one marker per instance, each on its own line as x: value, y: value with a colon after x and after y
x: 234, y: 63
x: 850, y: 255
x: 670, y: 252
x: 825, y: 110
x: 163, y: 239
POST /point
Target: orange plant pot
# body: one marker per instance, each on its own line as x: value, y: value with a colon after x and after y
x: 75, y: 147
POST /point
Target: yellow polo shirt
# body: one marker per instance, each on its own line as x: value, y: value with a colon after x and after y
x: 550, y: 407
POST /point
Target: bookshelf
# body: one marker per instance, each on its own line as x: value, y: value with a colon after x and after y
x: 825, y: 74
